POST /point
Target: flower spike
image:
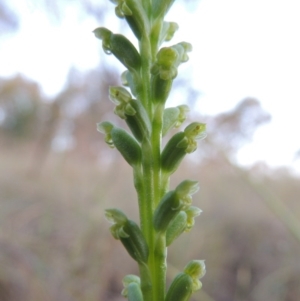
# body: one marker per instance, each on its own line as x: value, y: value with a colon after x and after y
x: 187, y: 282
x: 150, y: 69
x: 181, y: 144
x: 129, y: 233
x: 120, y: 47
x: 183, y: 222
x: 172, y: 203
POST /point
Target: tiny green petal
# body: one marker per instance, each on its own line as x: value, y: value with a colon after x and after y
x: 129, y: 110
x: 172, y: 203
x: 191, y: 212
x: 196, y: 130
x: 117, y: 231
x: 115, y: 216
x: 185, y: 190
x: 183, y: 109
x: 118, y: 218
x: 187, y: 187
x: 195, y: 268
x: 104, y: 34
x: 106, y: 128
x: 183, y: 48
x: 119, y: 95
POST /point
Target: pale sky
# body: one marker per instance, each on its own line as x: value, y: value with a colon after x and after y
x: 241, y: 48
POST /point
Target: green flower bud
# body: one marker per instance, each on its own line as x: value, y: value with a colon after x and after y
x: 163, y: 73
x: 139, y: 122
x: 129, y: 233
x: 172, y: 155
x: 164, y: 69
x: 172, y: 203
x: 132, y: 289
x: 196, y: 270
x: 132, y: 111
x: 134, y: 13
x: 118, y: 218
x: 123, y: 141
x: 121, y: 97
x: 180, y: 289
x: 120, y: 47
x: 183, y: 222
x: 127, y: 146
x: 160, y: 89
x: 174, y: 117
x: 185, y: 190
x: 181, y: 144
x: 166, y: 63
x: 187, y: 282
x: 194, y: 131
x: 169, y: 58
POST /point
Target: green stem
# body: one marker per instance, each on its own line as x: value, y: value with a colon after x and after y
x: 159, y: 247
x: 152, y: 194
x: 160, y: 254
x: 146, y: 209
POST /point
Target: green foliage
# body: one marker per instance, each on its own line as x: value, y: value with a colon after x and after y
x: 164, y: 214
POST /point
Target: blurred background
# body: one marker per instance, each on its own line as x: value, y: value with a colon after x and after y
x: 57, y: 175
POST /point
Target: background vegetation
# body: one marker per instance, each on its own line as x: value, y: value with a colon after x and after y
x: 57, y: 176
